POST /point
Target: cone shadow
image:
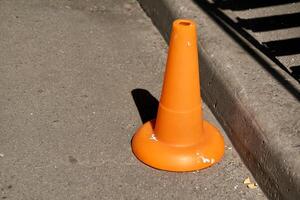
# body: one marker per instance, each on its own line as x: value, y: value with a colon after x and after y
x: 146, y: 104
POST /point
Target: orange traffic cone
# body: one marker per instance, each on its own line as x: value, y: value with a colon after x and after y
x: 179, y: 140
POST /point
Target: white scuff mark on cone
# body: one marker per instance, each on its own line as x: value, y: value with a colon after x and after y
x: 205, y: 160
x: 153, y: 137
x: 189, y: 43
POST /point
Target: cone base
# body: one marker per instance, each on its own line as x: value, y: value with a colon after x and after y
x: 148, y: 149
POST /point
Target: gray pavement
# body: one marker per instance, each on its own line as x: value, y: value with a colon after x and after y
x: 67, y: 69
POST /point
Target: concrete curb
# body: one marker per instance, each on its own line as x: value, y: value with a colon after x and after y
x: 255, y: 101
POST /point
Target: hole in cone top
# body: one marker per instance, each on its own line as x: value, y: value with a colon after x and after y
x: 183, y: 23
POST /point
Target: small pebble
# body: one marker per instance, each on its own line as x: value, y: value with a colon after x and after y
x: 247, y: 181
x: 252, y: 185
